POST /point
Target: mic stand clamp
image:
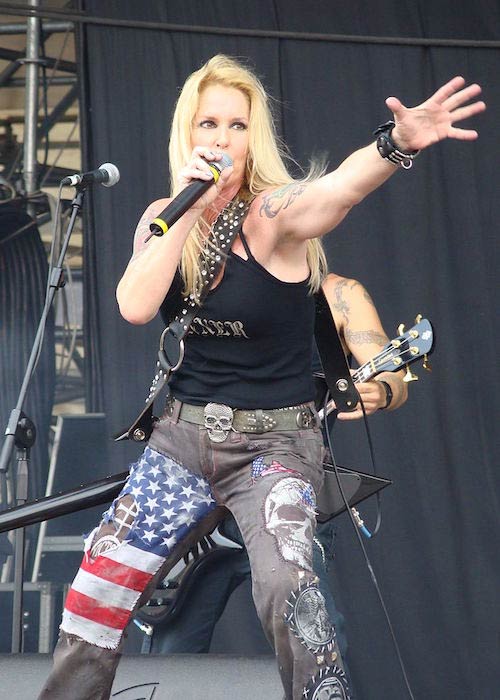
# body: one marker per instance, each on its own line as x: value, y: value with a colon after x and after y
x: 21, y: 431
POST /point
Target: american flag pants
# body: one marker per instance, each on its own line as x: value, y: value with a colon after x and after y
x: 176, y: 492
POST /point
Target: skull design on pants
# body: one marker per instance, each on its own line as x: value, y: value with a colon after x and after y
x: 290, y: 517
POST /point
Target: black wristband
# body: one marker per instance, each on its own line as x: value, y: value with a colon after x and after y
x: 388, y: 393
x: 388, y: 149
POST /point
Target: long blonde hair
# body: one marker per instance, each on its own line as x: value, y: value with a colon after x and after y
x: 265, y: 166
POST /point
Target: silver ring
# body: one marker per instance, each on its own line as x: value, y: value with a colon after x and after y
x: 181, y: 349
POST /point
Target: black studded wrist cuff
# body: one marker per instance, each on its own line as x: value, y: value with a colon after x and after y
x: 388, y: 149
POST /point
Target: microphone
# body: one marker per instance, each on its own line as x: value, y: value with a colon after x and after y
x: 185, y: 199
x: 107, y: 174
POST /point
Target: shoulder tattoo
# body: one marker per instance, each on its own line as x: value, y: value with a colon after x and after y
x: 281, y: 198
x: 340, y: 304
x: 364, y: 292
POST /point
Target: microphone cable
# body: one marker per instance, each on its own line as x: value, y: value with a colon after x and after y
x: 357, y: 528
x: 378, y: 497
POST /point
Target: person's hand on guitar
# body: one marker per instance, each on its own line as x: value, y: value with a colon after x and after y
x: 374, y: 395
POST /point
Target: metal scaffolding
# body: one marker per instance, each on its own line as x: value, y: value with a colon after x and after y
x: 31, y: 58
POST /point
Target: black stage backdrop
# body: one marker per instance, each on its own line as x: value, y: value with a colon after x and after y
x: 426, y: 242
x: 23, y: 280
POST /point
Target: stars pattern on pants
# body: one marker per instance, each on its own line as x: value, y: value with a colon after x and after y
x: 169, y: 501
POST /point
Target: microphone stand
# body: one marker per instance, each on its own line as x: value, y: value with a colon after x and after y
x: 21, y: 432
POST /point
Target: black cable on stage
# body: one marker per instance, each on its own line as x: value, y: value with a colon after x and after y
x: 360, y: 539
x: 378, y: 522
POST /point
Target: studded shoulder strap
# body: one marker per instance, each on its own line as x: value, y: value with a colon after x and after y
x: 171, y: 351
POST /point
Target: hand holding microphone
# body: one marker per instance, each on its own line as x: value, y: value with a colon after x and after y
x: 187, y: 197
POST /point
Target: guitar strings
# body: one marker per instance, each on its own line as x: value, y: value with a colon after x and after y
x: 379, y: 360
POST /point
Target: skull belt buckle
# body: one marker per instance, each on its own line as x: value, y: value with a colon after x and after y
x: 304, y: 418
x: 218, y: 421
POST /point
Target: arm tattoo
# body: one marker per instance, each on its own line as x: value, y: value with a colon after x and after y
x: 280, y: 199
x: 362, y: 337
x: 366, y: 296
x: 340, y: 304
x: 141, y: 232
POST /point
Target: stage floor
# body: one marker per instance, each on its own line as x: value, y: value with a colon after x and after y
x: 186, y: 676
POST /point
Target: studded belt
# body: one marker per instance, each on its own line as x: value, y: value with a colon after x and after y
x: 220, y: 419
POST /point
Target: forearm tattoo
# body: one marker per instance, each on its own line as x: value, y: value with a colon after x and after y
x: 141, y: 232
x: 280, y: 199
x: 363, y: 337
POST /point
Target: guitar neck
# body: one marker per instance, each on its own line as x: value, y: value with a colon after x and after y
x: 401, y: 351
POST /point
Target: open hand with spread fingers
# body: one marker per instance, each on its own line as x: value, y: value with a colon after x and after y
x: 434, y: 120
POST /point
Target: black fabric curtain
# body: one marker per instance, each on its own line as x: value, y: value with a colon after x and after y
x: 425, y: 243
x: 23, y: 275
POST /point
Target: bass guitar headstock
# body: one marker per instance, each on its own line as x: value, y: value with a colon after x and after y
x: 411, y: 345
x: 402, y: 351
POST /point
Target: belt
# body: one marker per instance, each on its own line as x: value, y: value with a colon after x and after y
x: 219, y: 419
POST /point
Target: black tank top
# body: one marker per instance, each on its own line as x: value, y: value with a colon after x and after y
x: 250, y: 346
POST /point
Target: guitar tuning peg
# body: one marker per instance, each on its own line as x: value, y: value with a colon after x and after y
x: 426, y: 364
x: 401, y: 329
x: 418, y: 318
x: 409, y: 376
